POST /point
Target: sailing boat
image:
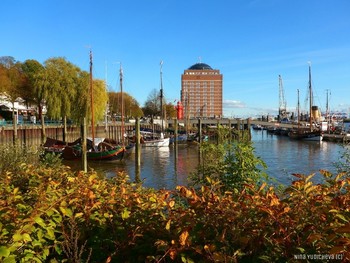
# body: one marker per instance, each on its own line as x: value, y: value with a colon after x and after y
x: 309, y: 134
x: 97, y: 148
x: 150, y: 138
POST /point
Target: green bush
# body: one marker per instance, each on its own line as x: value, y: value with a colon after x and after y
x: 228, y: 165
x: 13, y: 154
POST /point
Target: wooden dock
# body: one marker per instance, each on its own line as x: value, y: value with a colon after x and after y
x: 31, y: 135
x: 330, y: 137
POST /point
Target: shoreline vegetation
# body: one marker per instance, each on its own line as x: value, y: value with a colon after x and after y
x: 231, y: 212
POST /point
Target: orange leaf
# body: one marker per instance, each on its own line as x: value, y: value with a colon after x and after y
x: 286, y: 209
x: 183, y: 238
x: 172, y: 254
x: 92, y: 195
x: 274, y: 201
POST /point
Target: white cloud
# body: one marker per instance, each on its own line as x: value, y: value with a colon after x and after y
x: 233, y: 104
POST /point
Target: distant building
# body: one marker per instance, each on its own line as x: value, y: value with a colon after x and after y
x: 201, y: 91
x: 22, y: 112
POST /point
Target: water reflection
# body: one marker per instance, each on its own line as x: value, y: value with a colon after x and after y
x: 161, y: 169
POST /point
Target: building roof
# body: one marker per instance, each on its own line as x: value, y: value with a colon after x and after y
x: 200, y: 66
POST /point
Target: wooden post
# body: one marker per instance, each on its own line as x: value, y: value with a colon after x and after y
x: 137, y: 144
x: 43, y: 132
x: 175, y: 138
x: 14, y: 119
x: 229, y: 130
x: 84, y: 147
x: 200, y: 130
x: 24, y: 132
x: 217, y: 132
x: 249, y: 129
x: 64, y: 129
x: 175, y: 132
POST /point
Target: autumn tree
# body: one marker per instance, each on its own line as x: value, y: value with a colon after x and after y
x: 4, y: 80
x: 170, y: 110
x: 131, y: 106
x: 12, y: 79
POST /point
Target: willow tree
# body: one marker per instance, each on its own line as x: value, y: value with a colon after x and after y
x: 100, y: 100
x: 60, y: 85
x: 80, y: 110
x: 66, y: 91
x: 31, y: 69
x: 82, y: 107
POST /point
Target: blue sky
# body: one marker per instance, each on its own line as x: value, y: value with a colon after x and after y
x: 250, y: 42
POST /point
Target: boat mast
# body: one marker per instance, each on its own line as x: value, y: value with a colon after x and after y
x: 310, y: 94
x: 327, y: 112
x: 161, y: 93
x: 298, y: 112
x: 92, y: 103
x: 107, y: 106
x: 122, y: 100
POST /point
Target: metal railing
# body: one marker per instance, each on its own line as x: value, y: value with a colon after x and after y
x: 30, y: 123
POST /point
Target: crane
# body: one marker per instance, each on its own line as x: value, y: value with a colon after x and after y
x: 282, y: 111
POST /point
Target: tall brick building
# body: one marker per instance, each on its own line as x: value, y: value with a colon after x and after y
x: 201, y: 91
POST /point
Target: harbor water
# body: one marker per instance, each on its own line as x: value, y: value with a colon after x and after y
x: 285, y: 157
x: 165, y: 168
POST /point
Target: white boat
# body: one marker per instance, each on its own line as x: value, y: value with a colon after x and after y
x: 257, y: 127
x: 154, y: 140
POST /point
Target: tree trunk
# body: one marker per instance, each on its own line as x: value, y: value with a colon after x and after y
x: 65, y: 128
